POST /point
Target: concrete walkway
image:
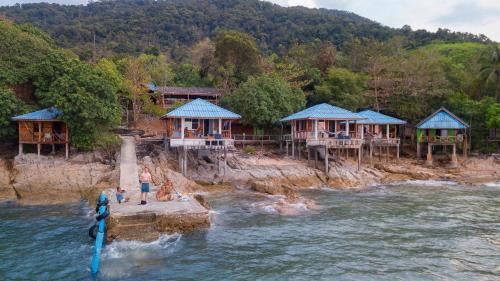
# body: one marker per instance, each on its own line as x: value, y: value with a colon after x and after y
x: 129, y: 173
x: 132, y: 221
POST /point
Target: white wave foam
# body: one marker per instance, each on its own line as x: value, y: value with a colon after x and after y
x: 425, y: 182
x: 120, y: 258
x: 492, y: 184
x: 119, y: 249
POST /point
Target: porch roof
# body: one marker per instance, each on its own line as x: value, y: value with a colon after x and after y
x: 324, y: 111
x: 200, y: 108
x: 373, y: 117
x: 442, y: 119
x: 47, y: 114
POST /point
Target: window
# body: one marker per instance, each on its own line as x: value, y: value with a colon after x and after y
x: 192, y: 124
x: 225, y: 125
x: 301, y: 125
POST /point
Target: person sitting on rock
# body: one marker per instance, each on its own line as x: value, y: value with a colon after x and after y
x: 120, y: 195
x: 165, y: 192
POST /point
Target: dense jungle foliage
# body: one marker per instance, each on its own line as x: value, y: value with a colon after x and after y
x: 268, y: 60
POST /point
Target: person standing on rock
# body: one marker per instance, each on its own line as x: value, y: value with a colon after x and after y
x: 145, y: 179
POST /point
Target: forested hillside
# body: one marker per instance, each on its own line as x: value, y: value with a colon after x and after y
x: 135, y: 26
x: 269, y: 61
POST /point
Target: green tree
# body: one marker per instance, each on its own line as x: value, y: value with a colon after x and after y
x: 341, y: 87
x: 263, y: 100
x: 9, y: 107
x: 87, y: 98
x: 490, y: 71
x: 493, y: 115
x: 238, y: 51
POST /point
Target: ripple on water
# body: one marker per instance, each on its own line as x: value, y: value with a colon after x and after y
x: 405, y: 231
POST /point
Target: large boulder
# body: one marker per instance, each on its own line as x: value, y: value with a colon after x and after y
x: 47, y: 180
x: 6, y: 190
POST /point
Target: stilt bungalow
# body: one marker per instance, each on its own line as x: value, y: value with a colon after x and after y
x: 324, y: 127
x: 442, y: 128
x: 380, y: 130
x: 198, y: 125
x: 42, y: 128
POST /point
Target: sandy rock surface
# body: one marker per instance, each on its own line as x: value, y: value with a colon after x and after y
x: 6, y: 190
x: 54, y: 180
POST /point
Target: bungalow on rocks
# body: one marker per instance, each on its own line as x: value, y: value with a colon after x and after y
x: 198, y: 125
x: 42, y: 127
x: 324, y: 127
x: 380, y: 130
x: 442, y: 128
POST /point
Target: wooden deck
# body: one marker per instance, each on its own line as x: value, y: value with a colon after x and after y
x: 336, y: 143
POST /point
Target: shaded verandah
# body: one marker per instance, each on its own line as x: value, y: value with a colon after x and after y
x: 321, y: 128
x: 198, y: 125
x: 42, y: 127
x: 380, y: 130
x: 442, y: 128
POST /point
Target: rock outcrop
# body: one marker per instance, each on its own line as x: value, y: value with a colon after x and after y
x: 6, y: 190
x: 244, y: 171
x: 128, y: 222
x: 47, y: 180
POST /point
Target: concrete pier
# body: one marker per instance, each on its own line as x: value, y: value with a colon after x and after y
x: 131, y: 221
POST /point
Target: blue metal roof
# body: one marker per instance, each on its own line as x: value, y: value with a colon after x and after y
x: 374, y: 117
x: 41, y: 115
x: 151, y: 87
x: 324, y: 111
x: 200, y: 108
x: 442, y: 119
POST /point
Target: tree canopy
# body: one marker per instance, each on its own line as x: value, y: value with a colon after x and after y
x: 173, y: 25
x: 263, y: 100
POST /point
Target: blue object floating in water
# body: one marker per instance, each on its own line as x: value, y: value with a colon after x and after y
x: 102, y: 203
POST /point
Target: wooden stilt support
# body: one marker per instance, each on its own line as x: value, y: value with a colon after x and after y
x: 39, y: 148
x: 225, y: 160
x: 67, y: 150
x: 429, y: 155
x: 293, y: 149
x: 286, y: 148
x: 359, y: 159
x: 53, y: 149
x: 371, y: 154
x: 397, y: 153
x: 326, y: 159
x: 308, y: 156
x: 315, y: 158
x: 454, y: 160
x: 20, y: 149
x: 185, y: 162
x: 298, y: 149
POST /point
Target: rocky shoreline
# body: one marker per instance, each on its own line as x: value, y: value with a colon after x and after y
x: 51, y: 180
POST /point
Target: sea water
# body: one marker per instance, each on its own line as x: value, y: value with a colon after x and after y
x: 406, y: 231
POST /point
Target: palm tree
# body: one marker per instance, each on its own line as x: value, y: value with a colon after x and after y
x: 490, y: 71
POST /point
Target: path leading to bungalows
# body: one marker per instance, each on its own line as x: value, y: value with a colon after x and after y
x: 132, y: 221
x: 129, y: 173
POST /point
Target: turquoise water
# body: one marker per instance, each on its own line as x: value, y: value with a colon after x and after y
x: 411, y: 231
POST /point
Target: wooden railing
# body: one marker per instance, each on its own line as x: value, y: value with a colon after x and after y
x: 44, y: 138
x: 385, y: 142
x: 336, y: 143
x: 202, y: 143
x: 245, y: 137
x: 443, y: 139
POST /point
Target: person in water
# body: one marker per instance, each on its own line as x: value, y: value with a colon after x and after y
x: 165, y: 192
x: 120, y: 195
x: 145, y: 180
